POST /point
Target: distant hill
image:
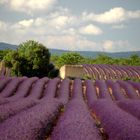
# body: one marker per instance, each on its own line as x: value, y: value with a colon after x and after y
x: 83, y: 53
x: 94, y: 54
x: 4, y: 46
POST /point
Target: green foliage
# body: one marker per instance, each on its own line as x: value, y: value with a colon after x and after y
x: 3, y: 53
x: 134, y: 60
x: 31, y: 59
x: 10, y: 58
x: 103, y: 59
x: 85, y: 77
x: 75, y: 58
x: 132, y: 79
x: 54, y: 59
x: 53, y: 73
x: 71, y: 58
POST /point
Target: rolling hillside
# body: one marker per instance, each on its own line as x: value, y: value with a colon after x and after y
x: 83, y: 53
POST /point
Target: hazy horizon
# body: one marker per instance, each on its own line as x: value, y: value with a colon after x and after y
x: 91, y: 25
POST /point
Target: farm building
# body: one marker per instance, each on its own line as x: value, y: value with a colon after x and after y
x: 71, y: 71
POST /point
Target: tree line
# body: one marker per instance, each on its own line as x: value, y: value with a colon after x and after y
x: 34, y: 59
x: 76, y: 58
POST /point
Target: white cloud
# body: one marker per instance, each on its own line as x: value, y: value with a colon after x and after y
x: 114, y: 15
x: 3, y: 1
x: 90, y: 30
x: 69, y: 31
x: 61, y: 18
x: 88, y: 45
x: 62, y: 30
x: 72, y: 42
x: 108, y: 45
x: 117, y: 46
x: 40, y: 21
x: 26, y: 23
x: 67, y: 39
x: 53, y: 24
x: 131, y: 14
x: 59, y: 21
x: 29, y: 6
x: 61, y: 42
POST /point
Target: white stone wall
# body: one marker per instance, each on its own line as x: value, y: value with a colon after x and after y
x: 75, y: 71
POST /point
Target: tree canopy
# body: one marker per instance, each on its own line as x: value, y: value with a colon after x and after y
x: 71, y: 58
x: 30, y: 59
x: 3, y: 53
x: 75, y: 58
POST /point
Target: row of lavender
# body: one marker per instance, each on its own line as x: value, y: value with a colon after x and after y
x: 28, y: 107
x: 104, y: 71
x: 31, y: 109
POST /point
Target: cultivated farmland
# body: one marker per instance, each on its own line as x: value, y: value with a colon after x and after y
x: 56, y: 109
x: 106, y: 71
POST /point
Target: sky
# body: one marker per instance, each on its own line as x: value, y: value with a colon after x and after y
x: 83, y: 25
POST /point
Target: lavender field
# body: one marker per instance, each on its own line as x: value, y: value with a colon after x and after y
x: 106, y: 71
x: 55, y: 109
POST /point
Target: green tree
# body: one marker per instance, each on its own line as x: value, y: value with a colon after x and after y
x: 103, y: 59
x: 12, y: 60
x: 30, y: 59
x: 54, y: 59
x: 3, y: 53
x: 71, y: 58
x: 134, y: 60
